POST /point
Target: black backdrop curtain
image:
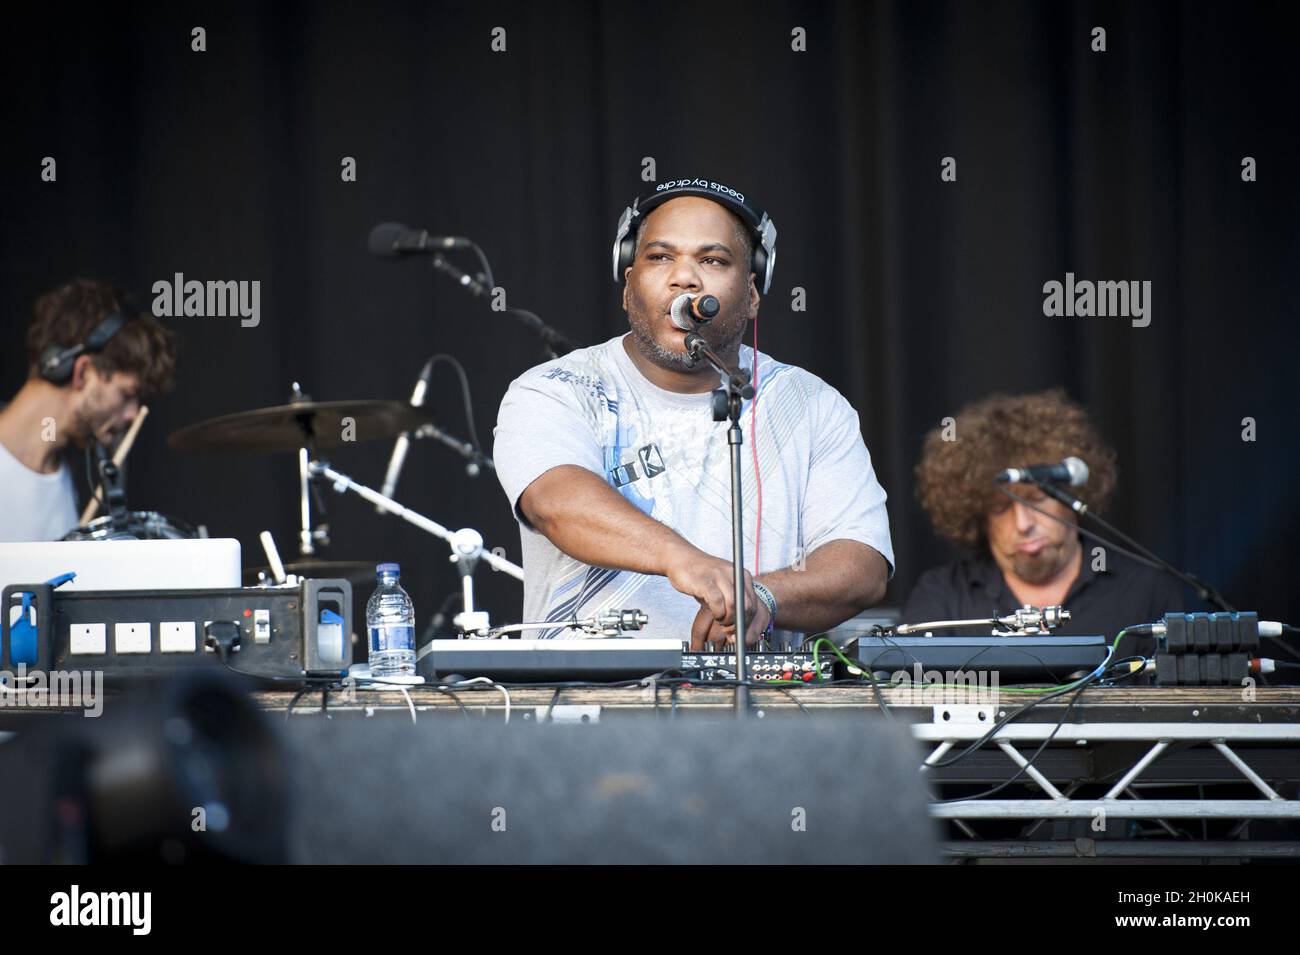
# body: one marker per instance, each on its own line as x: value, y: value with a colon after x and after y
x: 921, y: 294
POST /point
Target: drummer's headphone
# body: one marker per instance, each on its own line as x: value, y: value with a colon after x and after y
x: 764, y: 231
x: 56, y: 361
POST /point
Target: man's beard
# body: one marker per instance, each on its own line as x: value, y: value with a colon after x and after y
x: 1046, y: 565
x: 658, y: 354
x: 82, y: 433
x: 1035, y: 568
x: 643, y: 324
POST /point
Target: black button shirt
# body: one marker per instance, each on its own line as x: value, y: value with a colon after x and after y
x: 1100, y: 602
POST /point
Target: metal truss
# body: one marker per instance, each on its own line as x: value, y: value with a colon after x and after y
x: 1121, y: 800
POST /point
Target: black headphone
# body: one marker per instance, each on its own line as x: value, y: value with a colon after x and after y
x: 56, y: 361
x: 764, y: 261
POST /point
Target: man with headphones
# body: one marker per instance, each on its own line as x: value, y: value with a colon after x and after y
x: 90, y: 359
x: 620, y: 478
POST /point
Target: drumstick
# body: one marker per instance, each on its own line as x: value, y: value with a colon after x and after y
x: 123, y: 449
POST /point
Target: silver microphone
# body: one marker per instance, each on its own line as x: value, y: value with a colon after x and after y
x: 403, y: 442
x: 690, y: 312
x: 1072, y: 471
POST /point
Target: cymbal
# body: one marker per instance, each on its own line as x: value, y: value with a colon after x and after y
x: 353, y: 571
x: 329, y: 424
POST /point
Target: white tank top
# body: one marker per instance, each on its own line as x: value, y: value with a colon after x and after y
x: 34, y: 507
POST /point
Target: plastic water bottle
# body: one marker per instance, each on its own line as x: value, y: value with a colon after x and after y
x: 390, y: 620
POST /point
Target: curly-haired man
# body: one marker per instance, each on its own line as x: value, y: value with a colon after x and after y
x: 1014, y: 554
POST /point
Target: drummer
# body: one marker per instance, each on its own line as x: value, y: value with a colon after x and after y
x: 89, y: 363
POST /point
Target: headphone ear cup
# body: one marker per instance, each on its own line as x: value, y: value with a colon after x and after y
x: 760, y: 267
x: 624, y: 242
x: 56, y: 364
x: 626, y: 254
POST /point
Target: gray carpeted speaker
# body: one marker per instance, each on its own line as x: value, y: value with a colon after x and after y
x: 821, y: 790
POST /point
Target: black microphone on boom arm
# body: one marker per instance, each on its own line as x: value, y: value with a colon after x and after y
x: 391, y: 239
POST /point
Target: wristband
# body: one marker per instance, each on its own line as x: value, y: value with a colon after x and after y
x: 769, y: 601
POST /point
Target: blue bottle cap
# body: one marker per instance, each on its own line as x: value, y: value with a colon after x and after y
x: 381, y: 569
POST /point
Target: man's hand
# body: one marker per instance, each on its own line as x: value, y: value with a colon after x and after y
x: 836, y: 581
x: 583, y: 516
x: 707, y: 631
x: 710, y: 581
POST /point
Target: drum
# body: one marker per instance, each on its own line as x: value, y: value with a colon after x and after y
x: 141, y: 525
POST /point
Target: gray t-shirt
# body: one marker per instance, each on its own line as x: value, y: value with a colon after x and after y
x: 664, y: 452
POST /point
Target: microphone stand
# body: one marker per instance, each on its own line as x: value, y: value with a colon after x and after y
x: 1205, y: 592
x: 466, y: 544
x: 552, y: 339
x: 466, y: 549
x: 478, y: 461
x: 461, y: 546
x: 727, y: 401
x: 112, y: 482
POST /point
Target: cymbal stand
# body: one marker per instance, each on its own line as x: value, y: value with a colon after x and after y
x: 308, y: 537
